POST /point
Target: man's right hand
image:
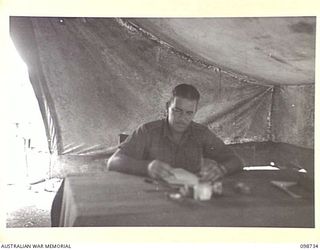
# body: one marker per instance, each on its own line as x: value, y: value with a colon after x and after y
x: 159, y: 169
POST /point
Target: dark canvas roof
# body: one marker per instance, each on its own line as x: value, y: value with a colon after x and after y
x: 280, y: 50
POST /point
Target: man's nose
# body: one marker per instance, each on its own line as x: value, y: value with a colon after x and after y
x: 185, y: 116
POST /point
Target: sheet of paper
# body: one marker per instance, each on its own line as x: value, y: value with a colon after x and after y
x: 261, y: 168
x: 182, y: 177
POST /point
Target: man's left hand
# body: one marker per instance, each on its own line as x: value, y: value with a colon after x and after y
x: 210, y: 171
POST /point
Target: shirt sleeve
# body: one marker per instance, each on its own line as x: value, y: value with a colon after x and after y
x: 215, y: 149
x: 135, y: 144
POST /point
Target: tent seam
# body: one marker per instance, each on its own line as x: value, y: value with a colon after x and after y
x: 135, y: 28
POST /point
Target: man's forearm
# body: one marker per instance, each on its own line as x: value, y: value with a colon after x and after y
x: 125, y: 164
x: 232, y: 165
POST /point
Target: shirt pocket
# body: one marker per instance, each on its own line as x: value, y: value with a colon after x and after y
x: 190, y: 156
x: 162, y: 150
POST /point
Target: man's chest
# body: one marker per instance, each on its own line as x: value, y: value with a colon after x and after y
x: 186, y: 154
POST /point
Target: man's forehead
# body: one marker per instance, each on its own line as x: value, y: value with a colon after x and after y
x: 184, y: 103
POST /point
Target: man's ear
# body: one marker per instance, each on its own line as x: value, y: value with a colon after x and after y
x: 167, y: 105
x: 167, y: 108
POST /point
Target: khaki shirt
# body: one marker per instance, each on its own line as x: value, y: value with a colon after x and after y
x: 153, y: 141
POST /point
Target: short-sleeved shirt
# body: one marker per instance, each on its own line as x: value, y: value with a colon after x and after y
x: 153, y: 141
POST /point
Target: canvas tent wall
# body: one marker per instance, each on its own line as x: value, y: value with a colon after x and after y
x: 95, y: 78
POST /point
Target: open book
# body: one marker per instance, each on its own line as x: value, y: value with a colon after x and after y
x: 182, y: 177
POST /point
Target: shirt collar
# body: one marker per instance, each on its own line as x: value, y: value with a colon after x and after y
x: 167, y: 132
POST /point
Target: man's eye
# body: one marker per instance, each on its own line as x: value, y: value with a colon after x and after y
x: 177, y: 110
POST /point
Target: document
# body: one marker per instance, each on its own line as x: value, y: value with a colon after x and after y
x: 182, y: 177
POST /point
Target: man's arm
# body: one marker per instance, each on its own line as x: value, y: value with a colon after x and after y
x: 131, y: 157
x: 227, y: 160
x: 126, y: 164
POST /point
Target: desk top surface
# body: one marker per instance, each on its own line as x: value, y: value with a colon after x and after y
x: 115, y: 199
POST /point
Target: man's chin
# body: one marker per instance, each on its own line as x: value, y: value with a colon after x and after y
x: 180, y: 129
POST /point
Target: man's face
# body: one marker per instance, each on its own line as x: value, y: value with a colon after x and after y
x: 181, y: 112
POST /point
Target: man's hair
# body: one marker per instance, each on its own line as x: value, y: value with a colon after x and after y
x: 186, y: 91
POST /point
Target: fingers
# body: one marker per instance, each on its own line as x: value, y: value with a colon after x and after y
x: 164, y: 172
x: 159, y: 169
x: 210, y: 171
x: 211, y: 175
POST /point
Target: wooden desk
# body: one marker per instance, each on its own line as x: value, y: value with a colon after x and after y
x: 115, y: 199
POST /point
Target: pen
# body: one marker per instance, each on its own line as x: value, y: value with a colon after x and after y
x: 150, y: 180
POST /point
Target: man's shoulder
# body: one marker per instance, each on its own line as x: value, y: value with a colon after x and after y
x: 157, y: 124
x: 202, y: 131
x: 199, y: 127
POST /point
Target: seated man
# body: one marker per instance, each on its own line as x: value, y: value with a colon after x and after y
x: 155, y: 148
